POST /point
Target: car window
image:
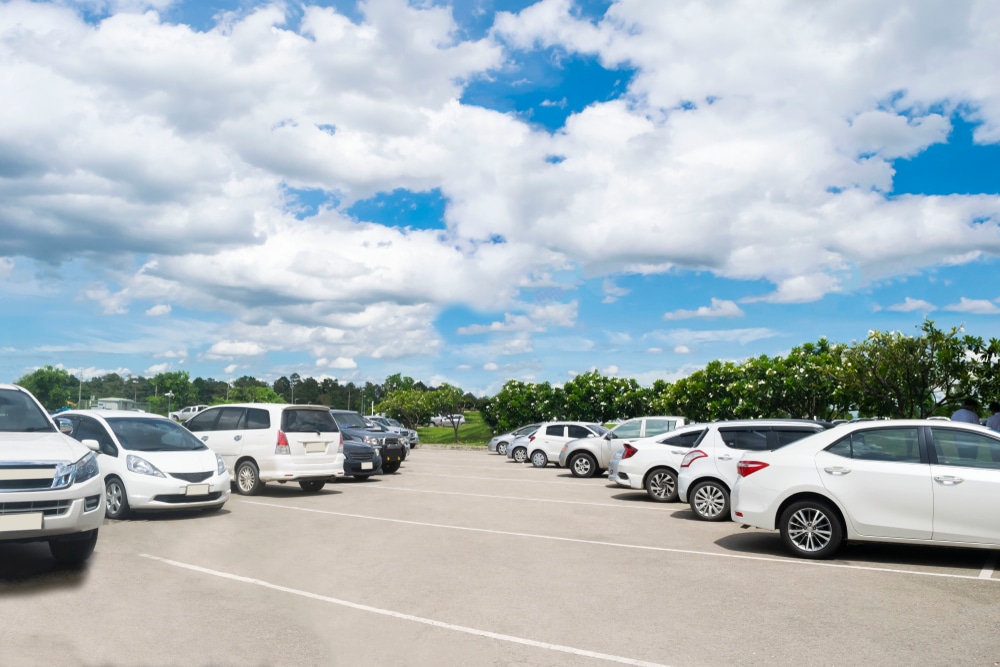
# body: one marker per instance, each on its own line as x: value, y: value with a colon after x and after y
x: 349, y: 420
x: 752, y: 439
x: 258, y: 419
x: 632, y: 429
x: 685, y: 440
x: 657, y: 426
x: 203, y: 421
x: 555, y: 430
x: 884, y: 444
x: 961, y: 448
x: 90, y: 429
x: 232, y: 419
x: 786, y: 436
x: 308, y: 421
x: 577, y: 431
x: 19, y: 414
x: 526, y: 430
x: 153, y: 435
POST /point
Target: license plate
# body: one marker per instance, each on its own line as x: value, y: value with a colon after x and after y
x: 12, y: 522
x: 197, y: 490
x: 315, y: 447
x: 366, y: 465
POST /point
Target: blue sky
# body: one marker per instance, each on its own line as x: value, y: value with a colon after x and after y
x: 487, y: 190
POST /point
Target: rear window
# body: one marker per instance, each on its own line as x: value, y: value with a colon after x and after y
x: 308, y: 421
x: 685, y: 440
x: 349, y: 420
x: 750, y: 439
x: 784, y: 437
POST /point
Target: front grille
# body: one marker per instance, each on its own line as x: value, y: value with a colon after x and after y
x: 191, y: 476
x: 25, y: 484
x: 46, y: 507
x: 180, y: 498
x: 363, y: 456
x: 392, y: 442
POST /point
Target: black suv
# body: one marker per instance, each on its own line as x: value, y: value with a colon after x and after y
x: 387, y: 444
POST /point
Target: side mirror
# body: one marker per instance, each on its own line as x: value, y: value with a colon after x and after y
x: 65, y: 426
x: 609, y: 436
x: 93, y: 445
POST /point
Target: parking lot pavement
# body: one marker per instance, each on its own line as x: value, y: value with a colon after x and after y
x: 465, y: 558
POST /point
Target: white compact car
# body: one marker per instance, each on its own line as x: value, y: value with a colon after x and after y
x: 498, y: 443
x: 545, y: 443
x: 708, y: 472
x: 587, y: 457
x: 273, y: 442
x: 149, y: 462
x: 50, y: 484
x: 907, y: 481
x: 653, y: 463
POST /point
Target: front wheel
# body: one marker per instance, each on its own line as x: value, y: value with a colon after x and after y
x: 390, y: 467
x: 710, y: 501
x: 73, y: 551
x: 247, y: 478
x: 520, y: 454
x: 539, y: 459
x: 810, y: 529
x: 661, y: 486
x: 115, y: 499
x: 312, y: 485
x: 582, y: 465
x: 502, y: 448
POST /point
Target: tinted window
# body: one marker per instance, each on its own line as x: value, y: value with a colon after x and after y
x: 970, y: 450
x: 754, y: 439
x: 554, y: 430
x: 576, y: 431
x: 658, y: 426
x: 19, y: 414
x: 153, y: 435
x: 349, y: 420
x: 685, y: 440
x: 884, y: 444
x: 526, y: 430
x: 258, y: 419
x: 203, y: 421
x: 231, y: 419
x: 631, y: 429
x: 89, y: 429
x: 308, y: 421
x: 784, y: 437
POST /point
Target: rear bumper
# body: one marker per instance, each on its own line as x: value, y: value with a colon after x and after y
x: 292, y: 468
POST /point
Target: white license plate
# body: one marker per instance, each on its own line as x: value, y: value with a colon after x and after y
x: 315, y: 447
x: 197, y: 490
x: 366, y: 465
x: 12, y: 522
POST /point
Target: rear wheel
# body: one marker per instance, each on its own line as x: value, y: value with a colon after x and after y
x: 74, y: 551
x: 247, y: 478
x: 115, y: 499
x: 520, y: 454
x: 661, y: 485
x: 710, y: 501
x: 539, y: 459
x: 810, y: 529
x: 312, y: 485
x: 582, y: 465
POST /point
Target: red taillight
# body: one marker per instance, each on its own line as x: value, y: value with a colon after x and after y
x: 282, y: 446
x: 531, y: 438
x: 747, y: 468
x: 692, y: 456
x: 629, y: 451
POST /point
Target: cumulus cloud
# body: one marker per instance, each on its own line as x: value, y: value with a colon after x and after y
x: 6, y: 267
x: 538, y: 318
x: 974, y: 306
x: 719, y: 308
x: 613, y: 292
x: 910, y: 305
x: 234, y: 348
x: 610, y: 370
x: 682, y: 349
x: 490, y: 366
x: 688, y: 337
x: 230, y: 369
x: 155, y: 369
x: 159, y: 310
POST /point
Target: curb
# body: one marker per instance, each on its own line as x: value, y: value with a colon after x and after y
x: 466, y: 447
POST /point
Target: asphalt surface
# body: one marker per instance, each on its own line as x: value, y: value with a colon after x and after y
x: 466, y: 558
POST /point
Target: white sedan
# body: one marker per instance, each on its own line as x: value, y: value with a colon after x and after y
x: 653, y: 463
x: 149, y: 462
x: 905, y: 481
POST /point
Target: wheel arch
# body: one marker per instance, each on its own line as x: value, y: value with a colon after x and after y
x: 815, y: 497
x: 710, y: 478
x: 645, y: 478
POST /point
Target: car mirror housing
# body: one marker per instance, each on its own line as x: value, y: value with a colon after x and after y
x: 92, y: 445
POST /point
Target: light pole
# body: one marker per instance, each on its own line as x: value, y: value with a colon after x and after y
x: 170, y: 396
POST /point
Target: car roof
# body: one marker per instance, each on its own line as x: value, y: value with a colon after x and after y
x: 266, y: 406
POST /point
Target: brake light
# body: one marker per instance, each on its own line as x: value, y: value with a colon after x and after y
x: 629, y: 451
x: 340, y: 447
x: 282, y: 446
x: 692, y: 456
x: 531, y: 438
x: 747, y: 468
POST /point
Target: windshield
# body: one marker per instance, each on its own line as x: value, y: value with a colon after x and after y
x: 350, y: 420
x: 393, y: 422
x: 153, y: 435
x: 20, y: 414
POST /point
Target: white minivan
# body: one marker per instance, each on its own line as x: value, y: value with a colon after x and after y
x: 273, y: 442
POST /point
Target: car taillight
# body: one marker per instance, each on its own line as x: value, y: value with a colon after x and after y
x: 747, y: 468
x: 629, y: 451
x: 340, y: 447
x: 531, y: 438
x: 282, y: 446
x: 692, y: 456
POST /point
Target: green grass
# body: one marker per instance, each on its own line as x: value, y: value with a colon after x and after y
x: 473, y: 432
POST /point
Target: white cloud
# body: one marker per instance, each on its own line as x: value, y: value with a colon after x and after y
x: 613, y: 292
x: 974, y: 306
x: 910, y: 305
x: 159, y: 310
x: 610, y: 370
x: 682, y: 349
x: 92, y: 372
x: 654, y: 350
x: 6, y: 267
x: 342, y: 363
x: 490, y: 366
x: 234, y: 348
x: 719, y: 308
x: 538, y: 318
x: 155, y: 369
x: 688, y: 337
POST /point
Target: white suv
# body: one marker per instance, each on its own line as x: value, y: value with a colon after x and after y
x: 545, y: 444
x: 708, y: 472
x: 273, y: 442
x: 50, y: 485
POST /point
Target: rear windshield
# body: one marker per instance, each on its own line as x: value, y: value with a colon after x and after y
x: 307, y: 421
x: 350, y: 420
x: 153, y: 435
x: 19, y: 414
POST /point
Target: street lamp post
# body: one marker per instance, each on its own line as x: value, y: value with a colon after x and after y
x: 170, y: 396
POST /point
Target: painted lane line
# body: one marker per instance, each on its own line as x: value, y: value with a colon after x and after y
x: 619, y: 545
x: 407, y: 617
x: 991, y: 563
x: 534, y: 500
x: 493, y: 479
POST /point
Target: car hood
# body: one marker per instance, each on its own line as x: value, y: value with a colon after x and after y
x: 50, y: 446
x: 196, y: 460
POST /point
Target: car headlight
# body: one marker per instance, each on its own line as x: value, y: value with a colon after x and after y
x: 71, y: 473
x: 142, y: 466
x: 221, y: 465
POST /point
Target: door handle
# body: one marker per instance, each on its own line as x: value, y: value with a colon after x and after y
x: 836, y: 470
x: 204, y: 438
x: 725, y: 457
x: 948, y: 480
x: 237, y: 437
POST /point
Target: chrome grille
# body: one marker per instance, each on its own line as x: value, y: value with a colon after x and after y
x: 191, y: 476
x: 46, y: 507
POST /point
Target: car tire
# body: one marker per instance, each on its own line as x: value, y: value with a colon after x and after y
x: 247, y: 478
x: 362, y: 478
x: 539, y: 459
x: 390, y: 467
x: 73, y: 551
x: 312, y: 485
x: 502, y: 448
x: 709, y: 501
x: 582, y: 465
x: 661, y: 485
x: 520, y: 455
x: 115, y: 499
x: 811, y: 529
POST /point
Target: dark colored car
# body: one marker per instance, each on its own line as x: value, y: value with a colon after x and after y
x: 385, y: 443
x: 361, y: 460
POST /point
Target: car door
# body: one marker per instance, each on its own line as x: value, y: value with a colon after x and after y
x: 882, y: 479
x: 576, y: 432
x: 965, y: 470
x: 548, y: 438
x: 222, y: 430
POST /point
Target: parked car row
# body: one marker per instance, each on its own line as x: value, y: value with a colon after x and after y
x: 819, y: 484
x: 61, y: 475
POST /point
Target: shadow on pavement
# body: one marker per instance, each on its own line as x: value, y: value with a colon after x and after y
x: 30, y: 568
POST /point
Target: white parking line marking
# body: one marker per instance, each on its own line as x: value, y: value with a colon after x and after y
x: 991, y: 563
x: 534, y: 500
x: 619, y: 545
x: 408, y: 617
x: 492, y: 479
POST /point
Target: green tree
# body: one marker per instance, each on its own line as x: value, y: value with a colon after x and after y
x: 53, y: 387
x: 410, y: 406
x: 448, y: 400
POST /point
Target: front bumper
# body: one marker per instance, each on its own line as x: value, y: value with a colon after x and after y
x: 363, y: 467
x: 146, y: 492
x: 68, y: 513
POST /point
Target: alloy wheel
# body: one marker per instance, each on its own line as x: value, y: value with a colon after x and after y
x: 810, y: 529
